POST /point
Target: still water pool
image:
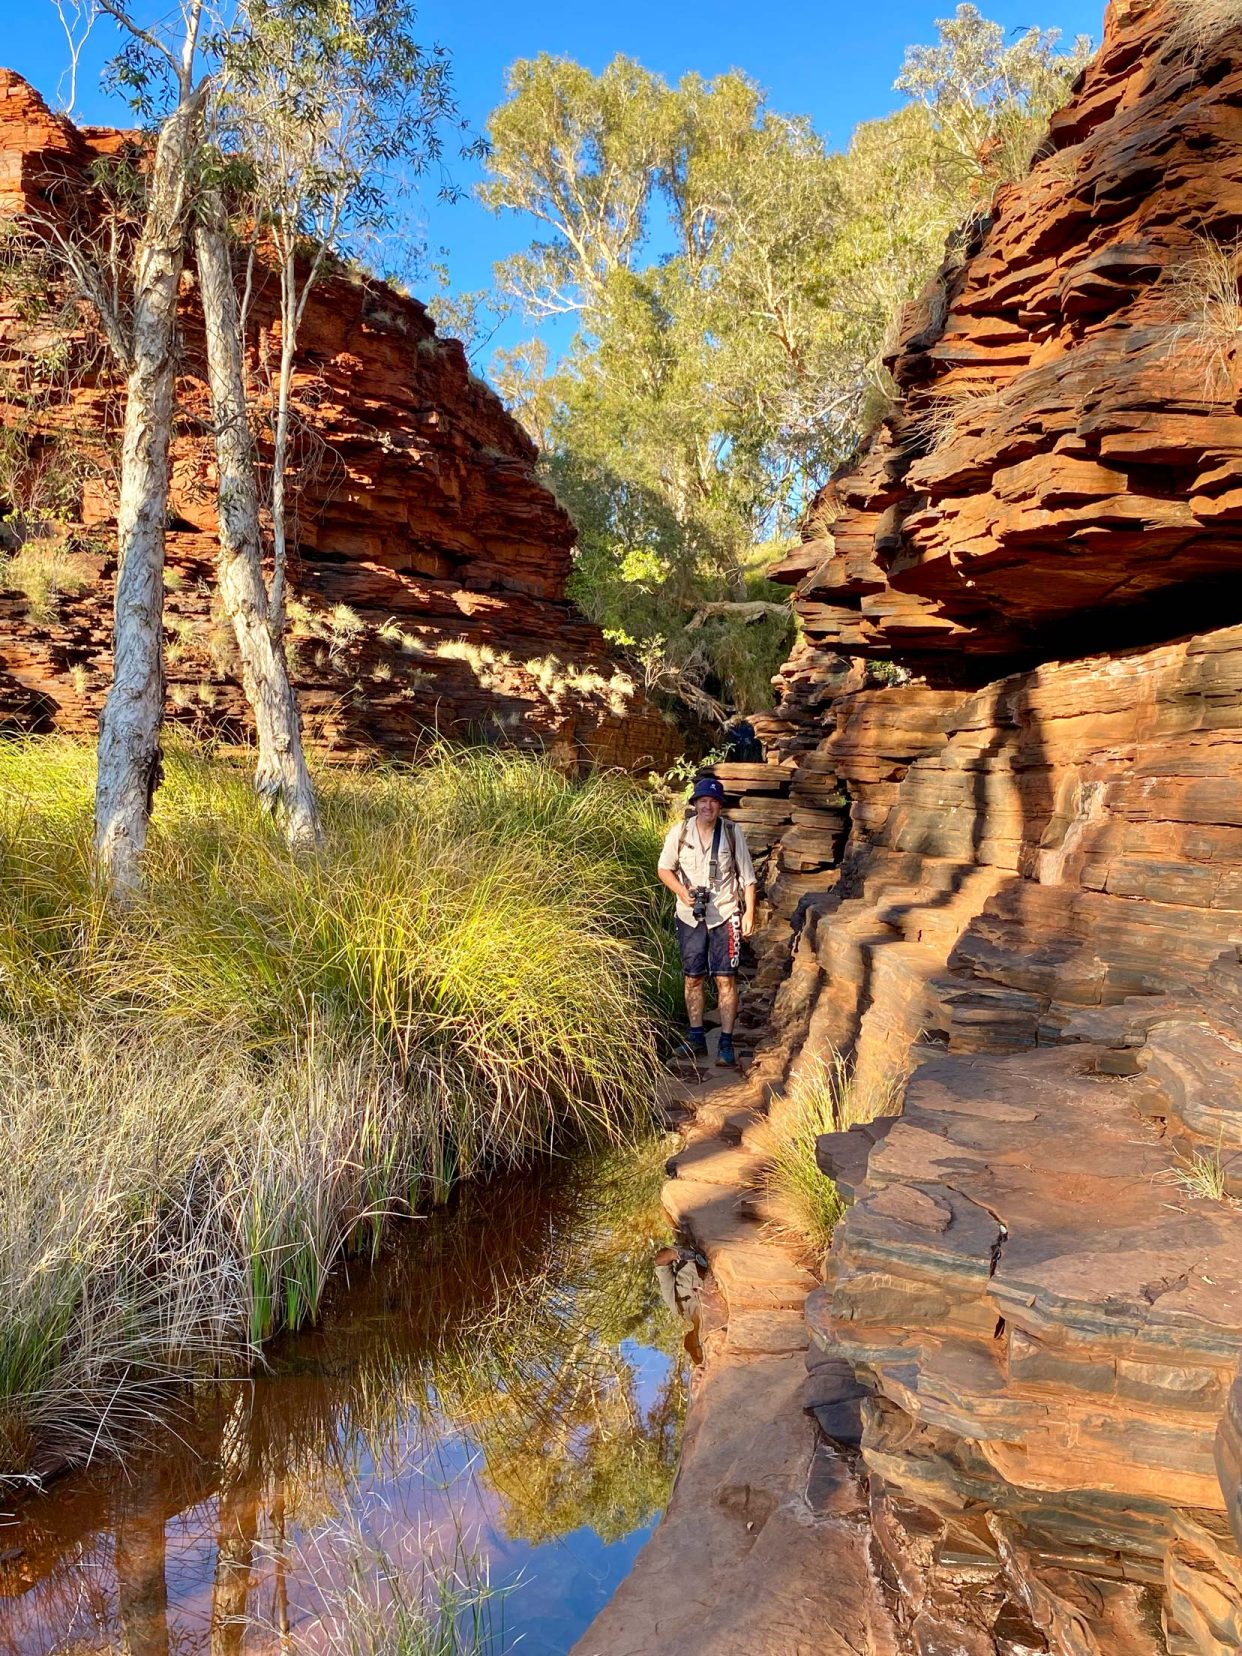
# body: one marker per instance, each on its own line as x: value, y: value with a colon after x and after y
x: 499, y: 1399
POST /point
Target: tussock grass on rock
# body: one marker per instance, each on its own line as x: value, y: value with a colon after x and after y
x: 826, y: 1098
x: 1197, y: 25
x: 210, y: 1097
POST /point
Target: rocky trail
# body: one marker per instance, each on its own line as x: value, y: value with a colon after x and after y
x: 763, y: 1548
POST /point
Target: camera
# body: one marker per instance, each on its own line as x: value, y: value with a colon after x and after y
x: 702, y: 896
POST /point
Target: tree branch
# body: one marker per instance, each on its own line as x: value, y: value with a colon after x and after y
x: 748, y: 612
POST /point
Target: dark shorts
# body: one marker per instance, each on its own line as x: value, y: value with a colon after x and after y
x: 713, y: 952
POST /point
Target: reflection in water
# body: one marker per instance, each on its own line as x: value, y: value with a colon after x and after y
x: 506, y: 1381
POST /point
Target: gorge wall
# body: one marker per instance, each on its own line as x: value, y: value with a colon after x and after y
x: 1004, y: 807
x: 430, y: 563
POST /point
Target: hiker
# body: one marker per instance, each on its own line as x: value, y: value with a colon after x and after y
x: 706, y: 865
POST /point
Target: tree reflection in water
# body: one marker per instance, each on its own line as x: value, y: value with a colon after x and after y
x: 505, y: 1379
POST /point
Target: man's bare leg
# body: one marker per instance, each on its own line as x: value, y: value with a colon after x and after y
x: 694, y: 1001
x: 726, y: 994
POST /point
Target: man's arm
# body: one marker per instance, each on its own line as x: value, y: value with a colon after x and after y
x: 746, y: 873
x: 668, y: 869
x: 669, y: 879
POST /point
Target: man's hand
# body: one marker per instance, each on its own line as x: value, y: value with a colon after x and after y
x: 748, y: 924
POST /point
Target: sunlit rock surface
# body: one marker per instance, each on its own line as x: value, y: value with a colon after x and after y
x: 1022, y: 669
x: 430, y: 563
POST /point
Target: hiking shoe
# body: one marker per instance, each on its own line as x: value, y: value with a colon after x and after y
x: 725, y: 1054
x: 692, y: 1046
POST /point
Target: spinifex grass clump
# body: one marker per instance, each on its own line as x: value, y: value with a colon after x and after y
x: 212, y: 1095
x: 828, y: 1097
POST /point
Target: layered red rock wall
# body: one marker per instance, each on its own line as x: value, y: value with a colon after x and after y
x: 1038, y: 912
x: 430, y: 563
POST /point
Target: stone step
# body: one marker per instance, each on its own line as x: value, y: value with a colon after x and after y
x: 759, y: 1277
x: 766, y: 1333
x: 731, y: 1125
x: 709, y: 1160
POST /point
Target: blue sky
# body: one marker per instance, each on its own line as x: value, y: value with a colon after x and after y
x: 834, y: 61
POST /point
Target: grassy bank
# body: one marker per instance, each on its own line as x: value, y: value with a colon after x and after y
x: 211, y: 1097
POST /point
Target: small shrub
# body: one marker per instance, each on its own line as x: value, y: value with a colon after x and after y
x: 44, y: 571
x: 887, y: 673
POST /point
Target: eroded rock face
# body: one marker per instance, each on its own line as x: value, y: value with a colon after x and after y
x: 1066, y: 447
x: 430, y: 568
x: 1038, y: 910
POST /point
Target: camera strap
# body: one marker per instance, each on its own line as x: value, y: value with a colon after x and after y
x: 713, y: 871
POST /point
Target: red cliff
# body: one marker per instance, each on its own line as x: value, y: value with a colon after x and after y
x: 430, y: 568
x: 1019, y: 695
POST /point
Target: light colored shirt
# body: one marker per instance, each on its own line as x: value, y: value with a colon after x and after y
x: 692, y: 861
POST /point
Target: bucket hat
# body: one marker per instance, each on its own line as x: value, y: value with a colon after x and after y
x: 708, y: 787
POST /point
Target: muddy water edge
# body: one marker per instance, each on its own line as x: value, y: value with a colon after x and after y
x: 499, y: 1397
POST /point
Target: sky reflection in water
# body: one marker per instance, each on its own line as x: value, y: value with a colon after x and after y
x: 505, y: 1387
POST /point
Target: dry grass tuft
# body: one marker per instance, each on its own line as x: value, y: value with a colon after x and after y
x: 45, y: 571
x: 1201, y: 1174
x: 1197, y: 25
x: 944, y: 416
x: 1204, y: 293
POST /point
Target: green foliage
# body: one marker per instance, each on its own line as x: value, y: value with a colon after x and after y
x: 325, y: 101
x: 990, y: 101
x: 720, y: 375
x: 543, y: 1384
x: 218, y: 1090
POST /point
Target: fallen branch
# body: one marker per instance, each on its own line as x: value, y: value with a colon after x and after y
x: 746, y: 612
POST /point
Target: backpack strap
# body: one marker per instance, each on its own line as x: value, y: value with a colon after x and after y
x: 681, y: 846
x: 731, y: 836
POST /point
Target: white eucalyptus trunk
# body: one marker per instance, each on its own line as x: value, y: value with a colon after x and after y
x: 129, y: 732
x: 282, y: 780
x: 289, y: 319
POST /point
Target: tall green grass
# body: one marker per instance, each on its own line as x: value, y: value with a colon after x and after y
x: 212, y: 1095
x: 828, y: 1097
